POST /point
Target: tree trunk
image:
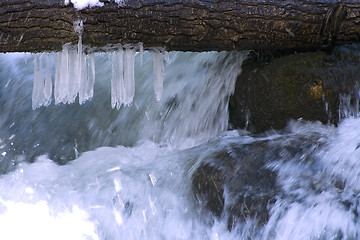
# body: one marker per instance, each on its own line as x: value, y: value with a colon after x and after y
x: 184, y: 25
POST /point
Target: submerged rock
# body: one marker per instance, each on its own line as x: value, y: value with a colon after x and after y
x: 241, y: 183
x: 314, y: 86
x: 236, y: 184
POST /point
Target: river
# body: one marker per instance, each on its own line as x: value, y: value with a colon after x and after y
x: 71, y: 171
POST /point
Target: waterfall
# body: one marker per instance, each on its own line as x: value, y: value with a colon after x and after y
x: 111, y: 168
x: 193, y: 106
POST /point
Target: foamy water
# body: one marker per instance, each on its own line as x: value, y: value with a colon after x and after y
x: 131, y: 178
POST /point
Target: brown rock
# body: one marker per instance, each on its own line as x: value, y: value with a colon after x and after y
x: 271, y: 91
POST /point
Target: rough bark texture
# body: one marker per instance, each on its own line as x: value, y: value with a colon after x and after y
x: 185, y: 25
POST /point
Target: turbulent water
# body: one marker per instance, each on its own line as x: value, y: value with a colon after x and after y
x: 131, y: 177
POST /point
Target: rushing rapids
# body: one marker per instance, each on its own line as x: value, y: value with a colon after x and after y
x: 167, y: 168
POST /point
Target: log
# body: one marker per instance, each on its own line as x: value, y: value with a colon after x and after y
x: 181, y: 25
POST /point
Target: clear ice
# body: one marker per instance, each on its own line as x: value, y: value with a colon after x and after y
x: 129, y: 76
x: 117, y: 79
x: 74, y: 75
x: 42, y: 89
x: 122, y: 77
x: 48, y: 83
x: 159, y: 71
x: 37, y: 84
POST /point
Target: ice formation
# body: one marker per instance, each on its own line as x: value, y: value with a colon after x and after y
x: 117, y: 79
x: 122, y: 77
x: 141, y: 53
x: 75, y: 73
x: 158, y: 59
x: 42, y: 89
x: 129, y: 75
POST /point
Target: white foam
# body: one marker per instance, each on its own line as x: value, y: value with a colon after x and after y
x: 36, y: 221
x: 322, y: 219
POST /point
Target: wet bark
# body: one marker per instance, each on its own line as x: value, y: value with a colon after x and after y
x: 185, y: 25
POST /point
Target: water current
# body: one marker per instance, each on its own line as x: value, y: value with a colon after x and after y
x: 91, y: 172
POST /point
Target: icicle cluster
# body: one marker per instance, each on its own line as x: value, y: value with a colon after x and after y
x: 42, y: 89
x: 122, y: 77
x: 75, y: 74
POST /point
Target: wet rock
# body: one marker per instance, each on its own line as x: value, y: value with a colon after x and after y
x: 236, y: 185
x: 314, y: 86
x: 208, y: 188
x: 241, y: 183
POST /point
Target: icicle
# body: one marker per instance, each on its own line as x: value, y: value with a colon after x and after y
x: 129, y: 75
x: 57, y: 81
x: 91, y: 75
x: 115, y: 101
x: 120, y: 75
x: 84, y: 81
x: 166, y: 56
x: 37, y: 87
x: 41, y: 81
x: 81, y: 82
x: 75, y: 74
x: 26, y: 58
x: 141, y: 52
x: 88, y: 78
x: 63, y: 86
x: 158, y: 59
x: 79, y: 27
x: 64, y: 74
x: 48, y: 83
x: 42, y: 87
x: 83, y: 75
x: 74, y: 77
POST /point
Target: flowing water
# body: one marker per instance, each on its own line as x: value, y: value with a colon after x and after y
x: 132, y: 173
